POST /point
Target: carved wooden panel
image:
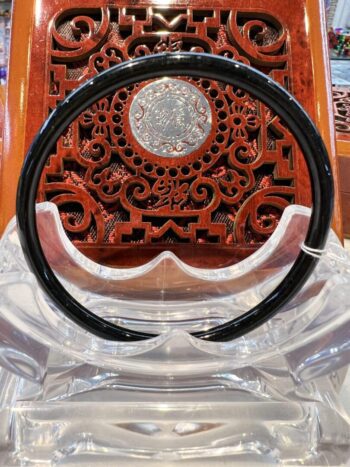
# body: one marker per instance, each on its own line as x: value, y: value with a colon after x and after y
x: 115, y: 194
x: 341, y: 97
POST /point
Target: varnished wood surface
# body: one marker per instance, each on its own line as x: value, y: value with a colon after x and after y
x: 344, y: 169
x: 15, y: 143
x: 2, y: 116
x: 341, y: 97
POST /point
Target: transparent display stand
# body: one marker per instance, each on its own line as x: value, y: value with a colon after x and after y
x: 270, y: 397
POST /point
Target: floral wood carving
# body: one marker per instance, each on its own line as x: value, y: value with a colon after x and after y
x: 113, y: 192
x: 341, y: 98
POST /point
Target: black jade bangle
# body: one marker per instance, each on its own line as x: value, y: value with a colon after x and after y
x: 179, y: 64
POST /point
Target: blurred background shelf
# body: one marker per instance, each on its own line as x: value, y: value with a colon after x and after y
x: 5, y: 32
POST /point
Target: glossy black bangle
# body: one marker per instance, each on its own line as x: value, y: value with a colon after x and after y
x: 179, y: 64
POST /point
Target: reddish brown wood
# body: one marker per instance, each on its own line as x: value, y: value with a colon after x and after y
x: 346, y: 210
x: 344, y: 182
x: 341, y: 98
x: 344, y: 171
x: 250, y: 176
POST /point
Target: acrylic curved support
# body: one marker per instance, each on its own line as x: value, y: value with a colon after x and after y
x: 167, y: 278
x: 206, y: 302
x: 174, y: 397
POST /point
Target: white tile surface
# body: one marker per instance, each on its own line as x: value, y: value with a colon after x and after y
x: 341, y: 72
x: 347, y: 244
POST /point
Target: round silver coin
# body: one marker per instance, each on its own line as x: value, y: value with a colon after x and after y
x: 170, y: 118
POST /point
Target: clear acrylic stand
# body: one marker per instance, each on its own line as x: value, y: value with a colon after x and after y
x: 270, y: 397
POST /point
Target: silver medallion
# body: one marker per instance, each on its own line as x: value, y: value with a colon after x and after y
x: 170, y: 117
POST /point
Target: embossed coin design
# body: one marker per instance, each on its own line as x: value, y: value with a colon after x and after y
x: 170, y: 118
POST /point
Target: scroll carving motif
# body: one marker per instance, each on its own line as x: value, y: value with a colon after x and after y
x: 341, y: 97
x: 112, y: 190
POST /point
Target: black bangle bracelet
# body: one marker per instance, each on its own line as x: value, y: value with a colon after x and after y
x: 179, y: 64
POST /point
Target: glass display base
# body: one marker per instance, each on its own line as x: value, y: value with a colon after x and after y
x: 186, y: 433
x: 270, y: 397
